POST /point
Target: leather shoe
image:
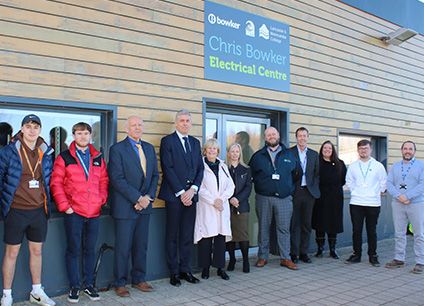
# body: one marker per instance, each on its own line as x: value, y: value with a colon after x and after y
x: 122, y: 292
x: 189, y: 277
x: 288, y: 264
x: 175, y: 280
x: 143, y: 286
x: 294, y: 258
x: 261, y: 263
x: 305, y: 258
x: 223, y: 275
x: 205, y: 273
x: 353, y: 259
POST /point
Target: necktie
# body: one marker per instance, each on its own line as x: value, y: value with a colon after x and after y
x: 186, y: 145
x: 142, y: 158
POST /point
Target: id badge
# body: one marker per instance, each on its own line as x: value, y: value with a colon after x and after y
x: 34, y: 184
x: 276, y: 177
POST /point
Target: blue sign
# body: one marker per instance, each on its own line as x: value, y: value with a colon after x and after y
x: 405, y: 13
x: 246, y: 49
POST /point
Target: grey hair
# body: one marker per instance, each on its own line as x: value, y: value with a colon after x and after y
x: 182, y: 112
x: 211, y: 143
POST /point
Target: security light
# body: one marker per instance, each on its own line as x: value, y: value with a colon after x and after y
x: 399, y: 36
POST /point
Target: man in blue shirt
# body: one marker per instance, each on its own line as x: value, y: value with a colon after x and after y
x: 406, y: 184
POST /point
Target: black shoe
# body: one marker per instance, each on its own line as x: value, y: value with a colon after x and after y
x: 205, y: 273
x: 92, y: 294
x: 294, y: 259
x: 353, y: 259
x: 73, y: 296
x: 334, y: 254
x: 319, y: 252
x: 305, y: 258
x: 246, y: 266
x: 374, y: 261
x: 223, y: 275
x: 231, y: 264
x: 175, y: 280
x: 189, y: 277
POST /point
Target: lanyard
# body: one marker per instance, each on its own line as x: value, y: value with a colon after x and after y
x: 364, y: 175
x: 83, y: 164
x: 29, y: 164
x: 405, y: 174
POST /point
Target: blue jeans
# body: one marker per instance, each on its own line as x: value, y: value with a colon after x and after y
x: 81, y: 231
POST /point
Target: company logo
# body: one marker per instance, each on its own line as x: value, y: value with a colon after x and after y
x: 250, y: 28
x: 264, y: 32
x: 211, y: 18
x: 214, y: 19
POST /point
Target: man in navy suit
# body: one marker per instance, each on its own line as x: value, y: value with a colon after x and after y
x: 307, y: 190
x: 134, y: 176
x: 182, y: 168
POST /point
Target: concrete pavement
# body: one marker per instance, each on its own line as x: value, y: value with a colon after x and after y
x: 324, y: 282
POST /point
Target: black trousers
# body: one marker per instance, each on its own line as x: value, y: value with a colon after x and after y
x: 212, y: 246
x: 300, y: 229
x: 370, y: 214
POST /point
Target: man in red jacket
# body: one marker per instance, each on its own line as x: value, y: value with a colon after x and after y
x: 79, y: 187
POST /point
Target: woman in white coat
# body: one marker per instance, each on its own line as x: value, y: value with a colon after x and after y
x: 212, y: 228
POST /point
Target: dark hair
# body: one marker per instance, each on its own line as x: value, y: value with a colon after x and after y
x: 302, y: 128
x: 6, y: 132
x: 333, y: 158
x: 363, y: 143
x: 81, y: 126
x: 409, y: 141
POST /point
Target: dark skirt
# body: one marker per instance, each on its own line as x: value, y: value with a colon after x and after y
x: 240, y: 227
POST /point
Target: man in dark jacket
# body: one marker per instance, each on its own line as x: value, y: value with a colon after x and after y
x: 306, y: 192
x: 80, y: 187
x: 25, y: 169
x: 134, y: 175
x: 273, y: 169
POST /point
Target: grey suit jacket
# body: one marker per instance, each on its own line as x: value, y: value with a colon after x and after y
x: 312, y: 171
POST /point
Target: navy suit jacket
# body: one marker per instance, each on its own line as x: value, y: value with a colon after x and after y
x: 127, y: 179
x: 312, y: 171
x: 176, y: 167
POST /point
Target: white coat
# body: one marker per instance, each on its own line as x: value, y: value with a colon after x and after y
x: 210, y: 221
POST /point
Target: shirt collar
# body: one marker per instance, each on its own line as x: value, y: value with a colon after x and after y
x: 181, y: 135
x: 300, y: 152
x: 133, y: 142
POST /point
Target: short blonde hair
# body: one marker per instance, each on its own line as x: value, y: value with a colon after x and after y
x: 235, y: 144
x: 210, y: 143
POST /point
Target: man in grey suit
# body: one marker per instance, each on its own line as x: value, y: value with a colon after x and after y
x: 307, y: 190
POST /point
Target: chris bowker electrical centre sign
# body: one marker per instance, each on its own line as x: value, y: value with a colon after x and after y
x: 246, y: 49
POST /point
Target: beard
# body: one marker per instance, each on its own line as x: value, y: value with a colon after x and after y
x: 408, y: 158
x: 273, y: 144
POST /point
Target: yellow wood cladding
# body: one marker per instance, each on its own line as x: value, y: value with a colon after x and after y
x: 146, y: 57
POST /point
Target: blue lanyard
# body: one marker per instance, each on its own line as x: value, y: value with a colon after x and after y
x: 405, y: 174
x: 364, y: 175
x: 82, y: 164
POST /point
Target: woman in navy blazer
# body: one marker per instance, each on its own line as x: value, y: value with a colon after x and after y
x: 239, y: 204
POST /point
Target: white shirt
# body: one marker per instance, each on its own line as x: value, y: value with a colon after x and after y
x: 181, y: 137
x: 303, y: 161
x: 366, y: 181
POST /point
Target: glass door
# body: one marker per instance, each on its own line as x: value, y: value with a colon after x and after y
x: 248, y: 131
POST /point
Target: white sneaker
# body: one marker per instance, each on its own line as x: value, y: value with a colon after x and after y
x: 6, y: 300
x: 41, y: 298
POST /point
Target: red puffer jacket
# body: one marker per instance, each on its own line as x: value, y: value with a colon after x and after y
x: 70, y: 188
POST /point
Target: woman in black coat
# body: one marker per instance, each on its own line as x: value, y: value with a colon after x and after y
x: 328, y: 210
x: 239, y: 204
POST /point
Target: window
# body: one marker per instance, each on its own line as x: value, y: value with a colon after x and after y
x: 57, y: 121
x: 348, y: 147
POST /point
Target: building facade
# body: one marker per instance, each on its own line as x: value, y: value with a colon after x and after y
x: 101, y: 61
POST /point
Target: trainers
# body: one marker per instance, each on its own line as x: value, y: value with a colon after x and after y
x: 418, y: 269
x: 6, y: 300
x: 92, y: 294
x: 353, y: 259
x: 395, y: 264
x: 41, y: 298
x: 374, y: 261
x: 73, y: 296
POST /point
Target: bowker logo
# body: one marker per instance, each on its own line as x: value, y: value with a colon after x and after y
x: 213, y: 19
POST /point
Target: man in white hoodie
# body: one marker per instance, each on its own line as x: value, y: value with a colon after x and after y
x: 366, y: 178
